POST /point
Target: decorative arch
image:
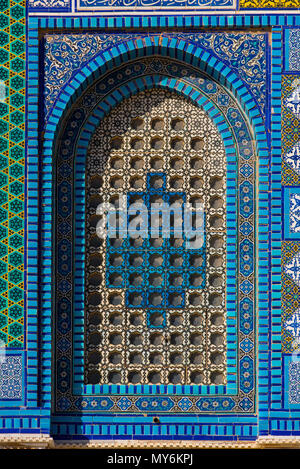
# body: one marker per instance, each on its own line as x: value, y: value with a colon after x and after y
x: 108, y: 103
x: 173, y: 48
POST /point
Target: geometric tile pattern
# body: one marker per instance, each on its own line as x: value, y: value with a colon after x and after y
x: 290, y: 176
x: 12, y: 148
x: 290, y: 130
x: 290, y: 260
x: 293, y: 54
x: 293, y: 324
x: 292, y: 268
x: 294, y: 213
x: 11, y: 377
x: 290, y: 294
x: 294, y: 382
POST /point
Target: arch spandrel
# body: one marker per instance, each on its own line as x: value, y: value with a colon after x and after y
x: 180, y: 48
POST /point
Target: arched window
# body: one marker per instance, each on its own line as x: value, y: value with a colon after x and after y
x: 155, y: 284
x: 140, y: 318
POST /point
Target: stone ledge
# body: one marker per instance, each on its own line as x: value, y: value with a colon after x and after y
x: 24, y: 441
x: 278, y: 442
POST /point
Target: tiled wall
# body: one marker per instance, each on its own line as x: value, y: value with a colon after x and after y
x: 268, y: 91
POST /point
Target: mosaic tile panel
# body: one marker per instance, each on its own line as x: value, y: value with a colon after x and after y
x: 290, y: 130
x: 292, y: 50
x: 290, y: 294
x: 12, y: 135
x: 11, y: 378
x: 294, y: 212
x: 56, y: 5
x: 294, y: 378
x: 291, y: 202
x: 83, y: 423
x: 277, y: 401
x: 290, y: 250
x: 172, y: 297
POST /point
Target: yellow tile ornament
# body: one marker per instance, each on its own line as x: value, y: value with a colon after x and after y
x: 282, y: 4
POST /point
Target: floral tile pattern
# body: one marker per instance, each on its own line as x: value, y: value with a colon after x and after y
x: 11, y: 376
x: 66, y: 54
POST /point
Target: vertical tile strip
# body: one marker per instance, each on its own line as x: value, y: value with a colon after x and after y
x: 12, y: 171
x: 275, y: 224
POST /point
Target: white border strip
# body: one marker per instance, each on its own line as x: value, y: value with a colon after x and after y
x: 111, y: 13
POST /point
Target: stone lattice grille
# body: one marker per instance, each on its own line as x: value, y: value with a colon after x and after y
x: 155, y: 310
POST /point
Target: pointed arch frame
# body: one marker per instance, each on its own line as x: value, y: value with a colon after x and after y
x: 121, y: 53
